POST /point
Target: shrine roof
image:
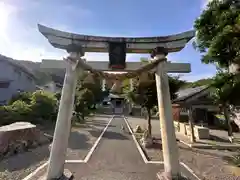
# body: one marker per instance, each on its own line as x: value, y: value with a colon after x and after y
x: 62, y: 40
x: 184, y: 94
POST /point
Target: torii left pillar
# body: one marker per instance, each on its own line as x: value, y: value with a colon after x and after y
x: 63, y: 124
x: 169, y: 143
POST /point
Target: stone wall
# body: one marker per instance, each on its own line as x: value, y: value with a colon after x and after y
x: 18, y: 137
x: 199, y: 132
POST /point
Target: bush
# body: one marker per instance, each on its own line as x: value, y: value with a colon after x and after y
x: 18, y: 111
x: 44, y: 105
x: 37, y: 107
x: 23, y: 96
x: 58, y: 95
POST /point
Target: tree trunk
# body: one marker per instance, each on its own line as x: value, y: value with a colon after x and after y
x: 227, y: 118
x: 149, y: 122
x: 147, y: 140
x: 191, y: 124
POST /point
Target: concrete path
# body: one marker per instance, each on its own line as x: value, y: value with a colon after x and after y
x: 116, y: 157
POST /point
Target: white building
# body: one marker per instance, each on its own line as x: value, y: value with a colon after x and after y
x: 14, y: 78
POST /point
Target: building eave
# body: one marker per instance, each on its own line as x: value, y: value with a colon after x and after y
x: 191, y: 96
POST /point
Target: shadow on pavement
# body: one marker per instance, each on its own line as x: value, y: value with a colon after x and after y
x: 114, y: 135
x: 95, y: 133
x: 78, y: 141
x: 218, y: 139
x: 108, y: 135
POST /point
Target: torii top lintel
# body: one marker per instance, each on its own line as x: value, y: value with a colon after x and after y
x: 63, y: 40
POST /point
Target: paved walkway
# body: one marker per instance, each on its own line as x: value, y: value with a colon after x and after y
x: 116, y: 157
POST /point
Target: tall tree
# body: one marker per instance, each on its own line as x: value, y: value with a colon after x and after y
x: 88, y: 94
x: 217, y: 37
x: 218, y: 32
x: 83, y: 103
x: 93, y: 84
x: 145, y: 95
x: 226, y: 88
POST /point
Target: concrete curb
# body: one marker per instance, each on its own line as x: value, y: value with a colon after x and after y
x: 34, y: 173
x: 208, y: 146
x: 135, y: 140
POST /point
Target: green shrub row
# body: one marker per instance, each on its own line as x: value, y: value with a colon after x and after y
x: 37, y: 107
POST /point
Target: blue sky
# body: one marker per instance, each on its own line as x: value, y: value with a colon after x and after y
x: 20, y: 39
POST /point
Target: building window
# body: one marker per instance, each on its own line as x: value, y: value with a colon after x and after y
x: 4, y: 84
x: 3, y: 102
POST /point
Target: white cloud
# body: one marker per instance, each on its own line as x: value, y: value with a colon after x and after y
x: 19, y: 36
x: 6, y: 11
x: 205, y: 3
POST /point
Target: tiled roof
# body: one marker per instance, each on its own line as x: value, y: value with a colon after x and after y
x: 17, y: 65
x: 189, y: 92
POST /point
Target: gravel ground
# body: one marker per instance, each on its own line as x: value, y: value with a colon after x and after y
x: 19, y: 166
x: 206, y: 164
x: 81, y: 140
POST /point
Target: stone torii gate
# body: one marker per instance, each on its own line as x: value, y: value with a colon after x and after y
x: 77, y: 45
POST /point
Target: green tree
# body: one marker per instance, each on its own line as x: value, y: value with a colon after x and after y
x: 44, y: 105
x: 95, y: 87
x: 84, y: 99
x: 88, y: 94
x: 200, y: 82
x: 225, y: 89
x: 217, y: 37
x: 218, y: 31
x: 174, y: 85
x: 145, y: 95
x: 126, y: 85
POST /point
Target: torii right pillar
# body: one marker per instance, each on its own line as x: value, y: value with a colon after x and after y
x: 169, y: 142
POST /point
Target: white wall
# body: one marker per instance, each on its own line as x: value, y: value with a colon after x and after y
x: 19, y: 81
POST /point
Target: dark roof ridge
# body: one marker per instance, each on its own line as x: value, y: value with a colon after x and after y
x: 17, y: 64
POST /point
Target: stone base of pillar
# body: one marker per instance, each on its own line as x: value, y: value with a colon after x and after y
x: 67, y: 175
x: 42, y: 175
x: 168, y: 176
